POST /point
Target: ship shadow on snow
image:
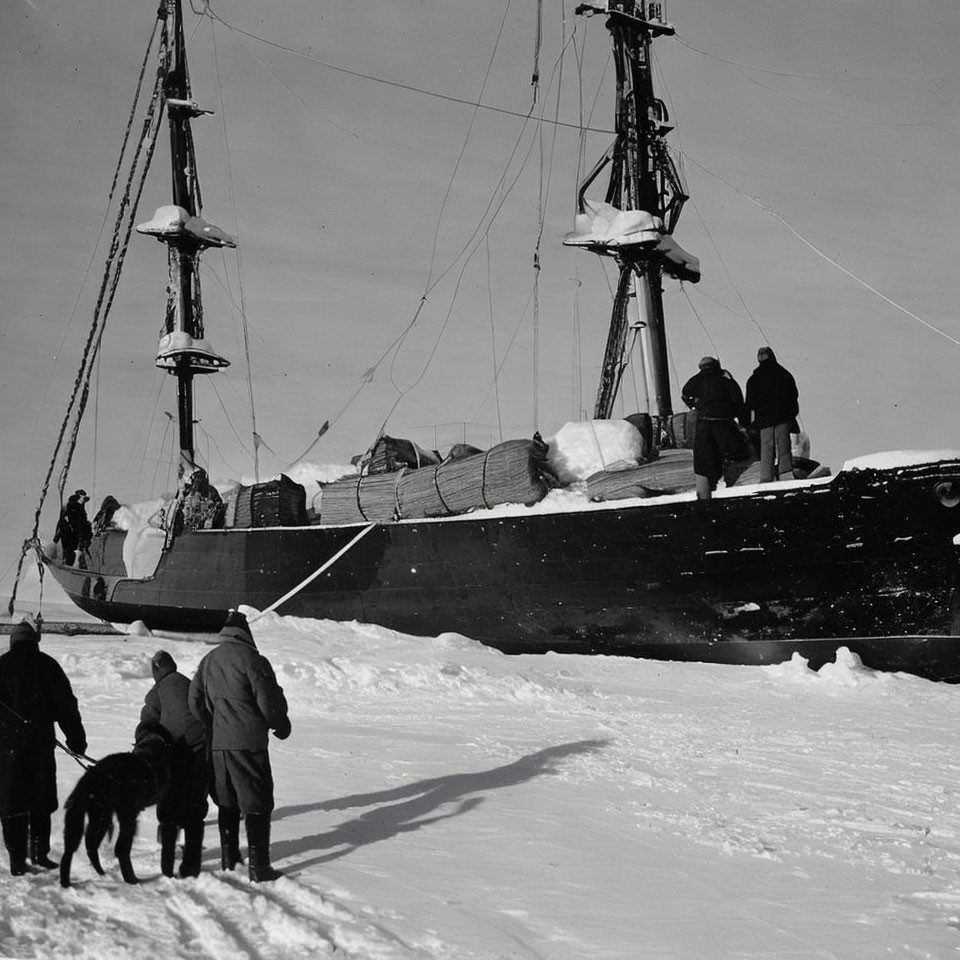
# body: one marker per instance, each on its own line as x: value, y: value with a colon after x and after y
x: 414, y: 805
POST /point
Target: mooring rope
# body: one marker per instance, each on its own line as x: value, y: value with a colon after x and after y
x: 316, y: 573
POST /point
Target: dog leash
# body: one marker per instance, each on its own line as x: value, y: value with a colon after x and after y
x: 81, y: 758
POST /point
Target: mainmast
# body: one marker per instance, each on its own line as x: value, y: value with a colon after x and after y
x: 641, y: 207
x: 182, y: 350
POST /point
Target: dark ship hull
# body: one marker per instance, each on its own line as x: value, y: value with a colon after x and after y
x: 866, y: 560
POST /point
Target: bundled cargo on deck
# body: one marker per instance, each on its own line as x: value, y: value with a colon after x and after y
x: 358, y: 499
x: 671, y: 472
x: 511, y: 472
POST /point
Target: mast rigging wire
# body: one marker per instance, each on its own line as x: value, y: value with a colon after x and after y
x: 209, y: 11
x: 123, y: 228
x: 820, y: 253
x: 231, y: 192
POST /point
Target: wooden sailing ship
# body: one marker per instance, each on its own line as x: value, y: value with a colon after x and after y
x: 865, y: 559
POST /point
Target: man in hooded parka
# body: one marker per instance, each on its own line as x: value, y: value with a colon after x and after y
x: 184, y: 803
x: 236, y: 697
x: 35, y: 694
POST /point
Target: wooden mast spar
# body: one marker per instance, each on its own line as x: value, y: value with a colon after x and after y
x: 643, y: 179
x: 183, y: 351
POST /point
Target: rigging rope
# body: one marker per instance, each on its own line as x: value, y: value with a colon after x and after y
x: 535, y: 79
x: 812, y: 246
x: 493, y: 342
x: 389, y: 83
x: 469, y: 247
x: 123, y: 227
x: 236, y: 232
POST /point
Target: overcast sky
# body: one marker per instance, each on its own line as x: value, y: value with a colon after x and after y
x: 819, y: 142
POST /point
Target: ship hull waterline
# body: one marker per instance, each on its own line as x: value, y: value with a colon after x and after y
x: 868, y: 560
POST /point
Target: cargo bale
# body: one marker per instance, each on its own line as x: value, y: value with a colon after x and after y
x: 510, y: 472
x: 359, y: 500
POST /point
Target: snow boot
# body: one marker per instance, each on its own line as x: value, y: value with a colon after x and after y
x: 258, y: 847
x: 192, y: 849
x: 167, y: 835
x: 40, y: 842
x: 228, y: 820
x: 15, y: 840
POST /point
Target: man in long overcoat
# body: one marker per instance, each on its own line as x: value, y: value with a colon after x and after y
x: 35, y: 694
x: 773, y: 406
x: 236, y: 697
x: 717, y: 398
x: 184, y: 803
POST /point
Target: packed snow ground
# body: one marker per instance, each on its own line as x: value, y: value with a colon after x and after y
x: 438, y: 799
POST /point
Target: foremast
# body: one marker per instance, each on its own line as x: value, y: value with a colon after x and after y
x: 183, y: 351
x: 642, y: 205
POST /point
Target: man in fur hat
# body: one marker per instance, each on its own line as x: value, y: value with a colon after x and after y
x: 35, y: 694
x: 184, y: 803
x: 236, y: 697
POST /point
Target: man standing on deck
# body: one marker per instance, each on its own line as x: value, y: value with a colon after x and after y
x: 773, y: 407
x: 73, y: 529
x: 236, y: 697
x: 718, y: 400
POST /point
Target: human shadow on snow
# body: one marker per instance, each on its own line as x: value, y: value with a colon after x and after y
x: 414, y: 805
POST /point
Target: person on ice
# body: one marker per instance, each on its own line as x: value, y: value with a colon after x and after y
x: 184, y: 804
x: 35, y: 694
x: 236, y: 697
x: 718, y: 400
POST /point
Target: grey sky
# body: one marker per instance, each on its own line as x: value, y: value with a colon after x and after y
x: 834, y: 121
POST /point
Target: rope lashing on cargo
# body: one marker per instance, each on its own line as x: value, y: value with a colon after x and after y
x: 436, y: 484
x: 316, y: 573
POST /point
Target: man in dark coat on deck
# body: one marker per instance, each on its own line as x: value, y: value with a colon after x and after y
x: 236, y: 697
x: 35, y: 694
x: 73, y: 531
x: 718, y: 400
x: 773, y: 406
x: 184, y: 803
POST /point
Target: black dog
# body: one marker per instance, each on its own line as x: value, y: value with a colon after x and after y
x: 122, y: 784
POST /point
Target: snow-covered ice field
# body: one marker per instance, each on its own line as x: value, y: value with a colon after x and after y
x: 438, y: 799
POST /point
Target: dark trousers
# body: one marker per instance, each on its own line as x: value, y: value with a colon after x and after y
x: 714, y: 442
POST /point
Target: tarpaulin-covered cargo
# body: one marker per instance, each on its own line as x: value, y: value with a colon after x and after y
x: 582, y: 448
x: 276, y: 503
x: 394, y: 453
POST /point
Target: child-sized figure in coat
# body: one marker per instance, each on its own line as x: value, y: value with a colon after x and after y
x: 236, y: 696
x: 184, y: 803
